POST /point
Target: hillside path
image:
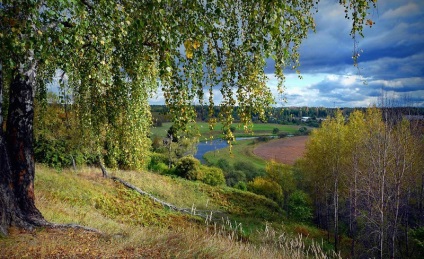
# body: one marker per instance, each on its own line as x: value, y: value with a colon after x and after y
x: 285, y: 150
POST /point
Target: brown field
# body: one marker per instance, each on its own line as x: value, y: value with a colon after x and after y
x: 285, y: 150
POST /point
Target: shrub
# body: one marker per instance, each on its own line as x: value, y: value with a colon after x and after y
x: 248, y: 169
x: 224, y: 165
x: 275, y: 131
x: 235, y: 176
x: 189, y: 167
x: 54, y: 153
x: 262, y: 139
x: 155, y: 160
x: 160, y: 168
x: 267, y: 188
x: 283, y: 135
x: 212, y: 176
x: 156, y: 142
x: 303, y: 130
x: 299, y: 206
x: 241, y: 186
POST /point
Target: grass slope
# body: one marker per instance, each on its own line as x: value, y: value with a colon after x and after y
x: 134, y: 226
x: 242, y: 151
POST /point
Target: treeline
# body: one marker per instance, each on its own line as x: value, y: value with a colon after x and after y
x: 365, y: 173
x: 280, y: 115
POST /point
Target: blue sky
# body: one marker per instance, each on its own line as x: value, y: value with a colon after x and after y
x: 391, y: 61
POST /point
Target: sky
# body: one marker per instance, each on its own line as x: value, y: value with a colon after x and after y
x: 391, y: 61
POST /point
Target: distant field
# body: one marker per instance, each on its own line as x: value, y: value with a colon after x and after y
x: 259, y: 129
x: 286, y: 150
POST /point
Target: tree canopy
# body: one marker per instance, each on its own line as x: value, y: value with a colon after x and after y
x: 113, y: 54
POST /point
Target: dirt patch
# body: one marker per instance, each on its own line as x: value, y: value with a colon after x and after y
x: 285, y: 150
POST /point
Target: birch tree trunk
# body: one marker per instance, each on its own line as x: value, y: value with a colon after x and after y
x: 17, y: 168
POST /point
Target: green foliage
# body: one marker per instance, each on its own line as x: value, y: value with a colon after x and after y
x: 224, y: 165
x: 156, y: 143
x: 275, y: 131
x: 241, y: 186
x: 303, y: 131
x: 212, y: 176
x: 189, y: 167
x: 299, y: 206
x: 283, y: 135
x: 248, y: 169
x: 234, y: 177
x: 417, y: 236
x: 157, y: 158
x: 267, y: 188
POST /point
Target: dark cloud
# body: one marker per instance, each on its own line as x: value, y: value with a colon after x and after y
x: 391, y: 61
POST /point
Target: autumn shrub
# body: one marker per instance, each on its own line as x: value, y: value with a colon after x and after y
x: 213, y: 176
x: 189, y: 167
x: 267, y: 188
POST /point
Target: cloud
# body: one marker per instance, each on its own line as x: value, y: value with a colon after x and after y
x: 402, y: 11
x: 391, y: 61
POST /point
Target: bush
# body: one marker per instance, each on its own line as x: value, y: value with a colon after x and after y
x: 248, y: 169
x: 156, y: 142
x: 262, y: 139
x: 235, y: 176
x: 267, y: 188
x: 158, y: 163
x: 299, y: 206
x: 303, y: 131
x: 189, y: 167
x: 212, y: 176
x: 55, y: 153
x: 161, y: 168
x: 283, y: 135
x: 241, y: 186
x: 224, y: 165
x: 275, y: 131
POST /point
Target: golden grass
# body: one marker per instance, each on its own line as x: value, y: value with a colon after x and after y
x: 133, y: 226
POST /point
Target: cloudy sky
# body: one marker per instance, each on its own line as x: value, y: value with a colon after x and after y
x: 391, y: 59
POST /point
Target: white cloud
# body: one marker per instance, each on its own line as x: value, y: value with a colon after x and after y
x: 402, y: 11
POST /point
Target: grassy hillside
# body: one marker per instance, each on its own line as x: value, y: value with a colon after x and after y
x: 135, y: 226
x: 242, y: 151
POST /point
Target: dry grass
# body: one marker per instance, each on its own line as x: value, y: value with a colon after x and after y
x: 135, y: 227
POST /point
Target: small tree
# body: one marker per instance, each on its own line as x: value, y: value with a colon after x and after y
x: 299, y: 206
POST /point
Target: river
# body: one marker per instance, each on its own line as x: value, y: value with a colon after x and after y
x: 211, y: 145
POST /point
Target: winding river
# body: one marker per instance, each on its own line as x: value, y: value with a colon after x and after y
x: 211, y: 145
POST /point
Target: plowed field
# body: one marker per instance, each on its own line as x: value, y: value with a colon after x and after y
x: 285, y: 150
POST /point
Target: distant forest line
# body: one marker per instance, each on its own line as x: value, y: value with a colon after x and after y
x: 283, y: 115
